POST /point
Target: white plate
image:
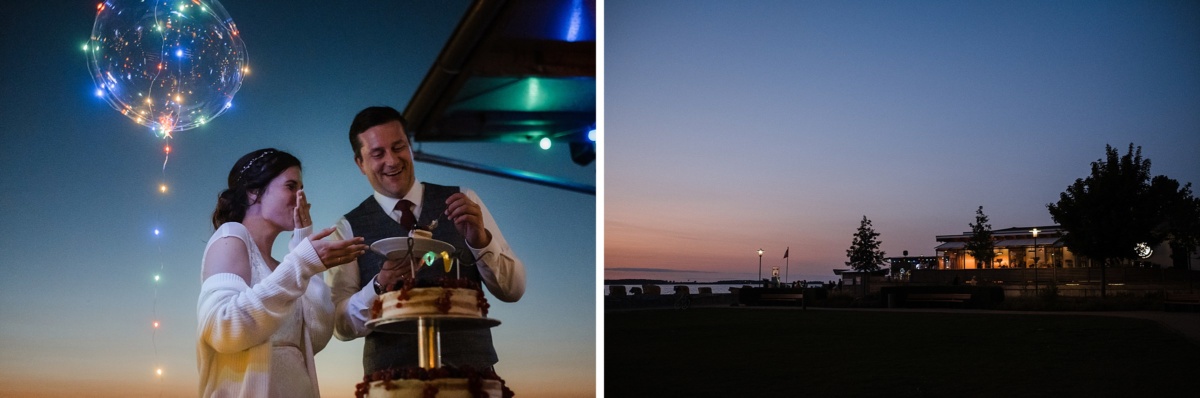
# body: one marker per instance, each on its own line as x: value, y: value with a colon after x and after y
x: 397, y: 248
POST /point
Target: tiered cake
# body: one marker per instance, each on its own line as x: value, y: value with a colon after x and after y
x: 447, y: 298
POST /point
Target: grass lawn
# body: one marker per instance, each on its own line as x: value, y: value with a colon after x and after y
x: 755, y: 352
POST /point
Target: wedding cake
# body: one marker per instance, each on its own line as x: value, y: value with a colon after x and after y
x: 443, y: 382
x: 445, y: 298
x: 458, y: 297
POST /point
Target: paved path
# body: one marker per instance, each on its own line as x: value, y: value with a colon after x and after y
x: 1187, y: 323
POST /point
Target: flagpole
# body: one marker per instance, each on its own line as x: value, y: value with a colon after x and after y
x: 786, y: 264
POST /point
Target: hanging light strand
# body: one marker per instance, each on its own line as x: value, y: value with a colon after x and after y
x: 158, y: 242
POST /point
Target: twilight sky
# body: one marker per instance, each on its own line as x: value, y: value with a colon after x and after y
x: 80, y: 199
x: 732, y: 127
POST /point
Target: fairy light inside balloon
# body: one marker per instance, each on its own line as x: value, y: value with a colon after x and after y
x: 179, y: 63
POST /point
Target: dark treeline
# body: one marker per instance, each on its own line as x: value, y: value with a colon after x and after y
x: 661, y: 282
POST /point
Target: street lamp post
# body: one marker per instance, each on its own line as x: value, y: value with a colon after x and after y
x: 1035, y: 246
x: 1035, y: 260
x: 1053, y: 269
x: 760, y: 265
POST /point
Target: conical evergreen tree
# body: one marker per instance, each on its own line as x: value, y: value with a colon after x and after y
x: 864, y: 253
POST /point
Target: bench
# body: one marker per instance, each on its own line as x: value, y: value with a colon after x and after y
x: 1181, y: 300
x: 616, y: 296
x: 782, y: 297
x: 652, y: 290
x: 616, y: 291
x: 958, y: 298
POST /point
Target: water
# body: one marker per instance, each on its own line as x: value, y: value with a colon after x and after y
x: 693, y: 288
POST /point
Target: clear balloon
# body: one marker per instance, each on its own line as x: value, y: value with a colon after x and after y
x: 168, y: 65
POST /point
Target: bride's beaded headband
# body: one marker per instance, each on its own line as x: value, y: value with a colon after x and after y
x: 251, y: 163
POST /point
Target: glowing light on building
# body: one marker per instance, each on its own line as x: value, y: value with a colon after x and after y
x: 575, y: 21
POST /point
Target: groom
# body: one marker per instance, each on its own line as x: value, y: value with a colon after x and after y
x: 383, y: 154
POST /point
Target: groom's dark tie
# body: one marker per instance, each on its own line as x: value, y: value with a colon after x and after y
x: 407, y: 219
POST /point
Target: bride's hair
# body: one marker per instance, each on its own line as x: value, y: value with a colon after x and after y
x: 250, y: 174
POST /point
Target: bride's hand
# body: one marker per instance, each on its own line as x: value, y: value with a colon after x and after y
x: 301, y: 216
x: 337, y: 252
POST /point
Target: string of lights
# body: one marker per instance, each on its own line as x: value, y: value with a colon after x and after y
x: 156, y: 323
x: 170, y: 65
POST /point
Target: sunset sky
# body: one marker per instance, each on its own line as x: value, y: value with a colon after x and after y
x: 80, y: 199
x: 737, y: 126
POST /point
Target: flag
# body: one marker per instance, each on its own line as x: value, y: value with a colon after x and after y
x: 785, y: 252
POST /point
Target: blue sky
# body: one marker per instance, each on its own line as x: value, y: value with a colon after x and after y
x: 81, y: 199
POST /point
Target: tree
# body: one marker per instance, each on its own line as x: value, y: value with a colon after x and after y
x: 864, y: 253
x: 1117, y: 207
x: 1182, y: 218
x: 981, y: 245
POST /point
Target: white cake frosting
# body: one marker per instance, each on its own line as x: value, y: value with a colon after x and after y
x: 446, y: 388
x: 419, y: 301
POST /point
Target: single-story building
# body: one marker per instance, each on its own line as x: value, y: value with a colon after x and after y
x: 1021, y: 247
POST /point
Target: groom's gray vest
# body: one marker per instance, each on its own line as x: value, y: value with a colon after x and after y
x: 388, y: 350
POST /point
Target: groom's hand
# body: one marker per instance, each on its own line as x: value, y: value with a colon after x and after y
x: 467, y: 217
x: 392, y: 273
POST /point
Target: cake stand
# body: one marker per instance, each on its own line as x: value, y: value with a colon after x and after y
x: 428, y: 329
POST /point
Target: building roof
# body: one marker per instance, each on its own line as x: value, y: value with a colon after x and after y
x: 513, y: 71
x: 950, y: 245
x: 1049, y: 242
x: 1048, y: 231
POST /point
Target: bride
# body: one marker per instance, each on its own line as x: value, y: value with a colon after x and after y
x: 262, y: 320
